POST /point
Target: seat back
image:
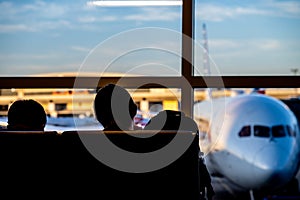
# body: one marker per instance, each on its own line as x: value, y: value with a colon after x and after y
x: 26, y: 156
x: 73, y: 161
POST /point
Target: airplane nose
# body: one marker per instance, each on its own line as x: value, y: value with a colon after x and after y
x: 273, y: 166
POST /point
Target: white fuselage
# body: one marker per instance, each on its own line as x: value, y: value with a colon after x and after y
x: 251, y: 140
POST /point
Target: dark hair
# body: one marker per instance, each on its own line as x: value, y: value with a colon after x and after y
x: 114, y: 107
x: 171, y: 120
x: 26, y: 115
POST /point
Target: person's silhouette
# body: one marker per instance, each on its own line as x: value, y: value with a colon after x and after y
x: 176, y: 120
x: 114, y: 108
x: 26, y: 115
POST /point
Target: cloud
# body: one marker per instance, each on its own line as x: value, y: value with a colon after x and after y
x: 286, y: 7
x: 44, y: 9
x: 87, y: 19
x: 51, y: 24
x: 218, y: 12
x: 268, y: 44
x: 245, y: 45
x: 23, y: 57
x: 154, y: 14
x: 80, y: 49
x: 139, y: 14
x: 7, y: 8
x: 212, y: 12
x: 93, y: 19
x: 9, y: 28
x: 224, y: 44
x: 241, y: 45
x: 33, y: 27
x: 32, y: 17
x: 39, y: 9
x: 37, y: 16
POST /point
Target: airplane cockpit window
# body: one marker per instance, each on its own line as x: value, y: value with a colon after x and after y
x: 278, y: 131
x: 245, y: 131
x: 261, y: 131
x: 291, y: 131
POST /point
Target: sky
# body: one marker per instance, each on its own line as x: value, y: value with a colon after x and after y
x: 245, y: 37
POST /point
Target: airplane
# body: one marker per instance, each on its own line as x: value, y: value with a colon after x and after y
x: 251, y: 143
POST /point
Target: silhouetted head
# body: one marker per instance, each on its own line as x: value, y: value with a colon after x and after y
x: 171, y: 120
x: 26, y: 115
x: 114, y: 108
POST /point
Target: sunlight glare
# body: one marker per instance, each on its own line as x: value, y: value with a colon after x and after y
x: 134, y: 3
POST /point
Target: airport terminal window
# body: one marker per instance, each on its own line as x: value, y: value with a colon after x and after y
x: 243, y: 38
x: 204, y: 128
x: 65, y: 105
x: 261, y: 131
x: 23, y: 57
x: 278, y: 131
x: 61, y: 38
x: 245, y: 131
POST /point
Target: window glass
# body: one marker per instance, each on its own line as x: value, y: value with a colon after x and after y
x: 261, y: 131
x: 291, y: 131
x: 69, y: 109
x: 250, y: 37
x: 245, y: 131
x: 63, y: 37
x: 278, y: 131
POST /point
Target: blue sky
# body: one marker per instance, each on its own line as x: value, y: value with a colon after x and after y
x: 244, y: 37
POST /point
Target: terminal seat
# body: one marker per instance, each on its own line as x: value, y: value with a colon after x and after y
x: 62, y: 164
